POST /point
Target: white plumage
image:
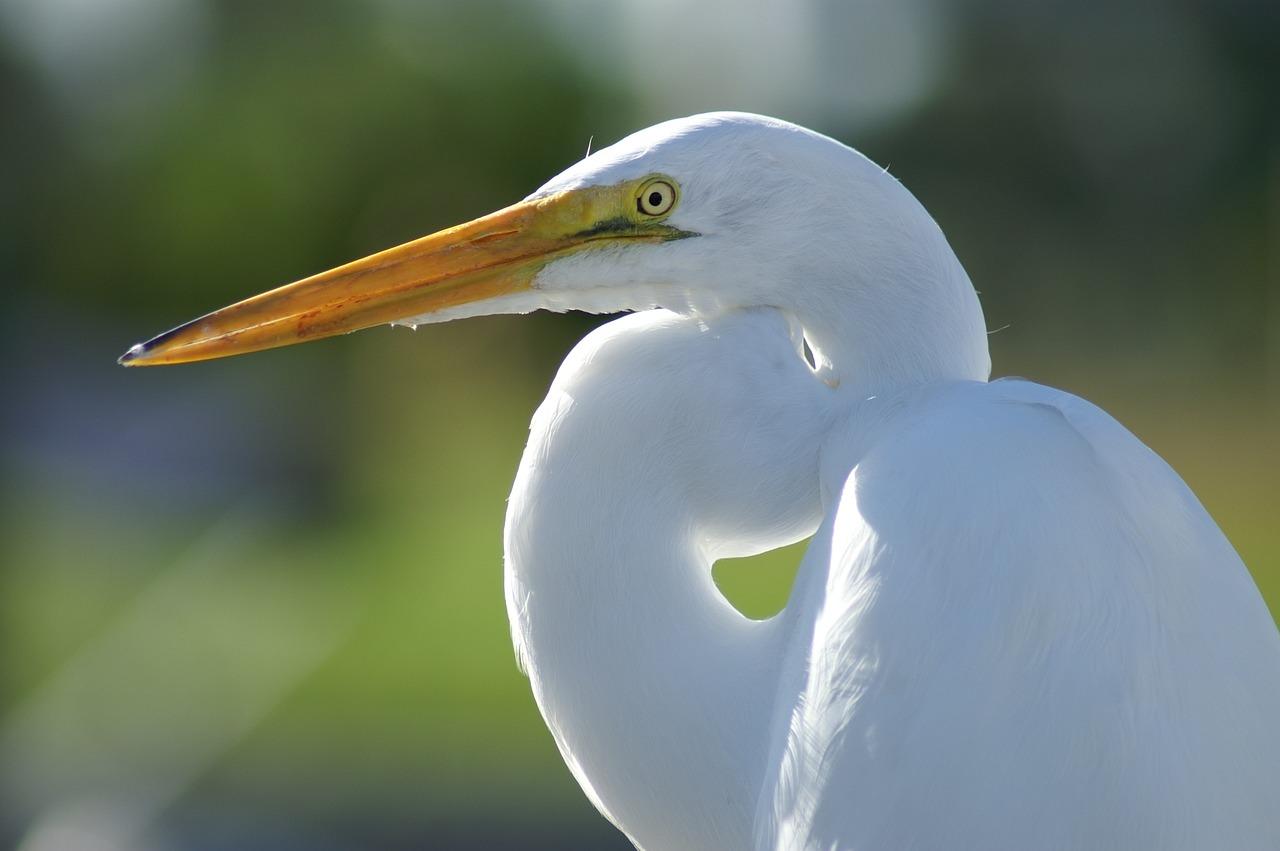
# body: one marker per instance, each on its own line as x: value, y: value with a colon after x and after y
x: 1015, y: 627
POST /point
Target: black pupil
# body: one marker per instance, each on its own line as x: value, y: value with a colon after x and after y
x: 655, y: 198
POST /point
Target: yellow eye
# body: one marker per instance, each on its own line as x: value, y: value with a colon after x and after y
x: 656, y: 198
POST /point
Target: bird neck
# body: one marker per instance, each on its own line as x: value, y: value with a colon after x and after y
x: 657, y: 692
x: 897, y: 328
x: 665, y: 443
x: 883, y: 299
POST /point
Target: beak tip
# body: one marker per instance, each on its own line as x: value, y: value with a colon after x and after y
x: 131, y: 357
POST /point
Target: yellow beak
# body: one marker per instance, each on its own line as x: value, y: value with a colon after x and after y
x: 498, y: 254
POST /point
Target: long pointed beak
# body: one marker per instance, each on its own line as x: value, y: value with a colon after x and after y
x: 498, y: 254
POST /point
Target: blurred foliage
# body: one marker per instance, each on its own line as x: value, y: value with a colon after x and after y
x: 257, y: 603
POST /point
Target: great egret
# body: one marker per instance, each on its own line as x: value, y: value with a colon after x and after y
x: 1015, y: 626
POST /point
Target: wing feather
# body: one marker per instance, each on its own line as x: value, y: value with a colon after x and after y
x: 1020, y: 629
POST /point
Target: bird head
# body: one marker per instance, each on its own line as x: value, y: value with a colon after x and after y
x: 697, y: 215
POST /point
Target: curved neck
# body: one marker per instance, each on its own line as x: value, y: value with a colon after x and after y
x: 914, y: 320
x: 663, y: 444
x: 658, y: 693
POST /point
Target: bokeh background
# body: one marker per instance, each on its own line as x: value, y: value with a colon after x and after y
x: 256, y: 604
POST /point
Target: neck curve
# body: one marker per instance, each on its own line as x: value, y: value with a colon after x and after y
x: 901, y: 321
x: 659, y: 694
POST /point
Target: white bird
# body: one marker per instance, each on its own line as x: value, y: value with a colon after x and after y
x: 1015, y: 626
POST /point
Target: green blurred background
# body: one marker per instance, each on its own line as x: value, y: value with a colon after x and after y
x: 257, y: 604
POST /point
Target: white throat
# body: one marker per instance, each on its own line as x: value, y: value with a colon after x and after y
x: 660, y: 694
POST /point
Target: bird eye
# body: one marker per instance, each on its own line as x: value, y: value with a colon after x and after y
x: 656, y: 198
